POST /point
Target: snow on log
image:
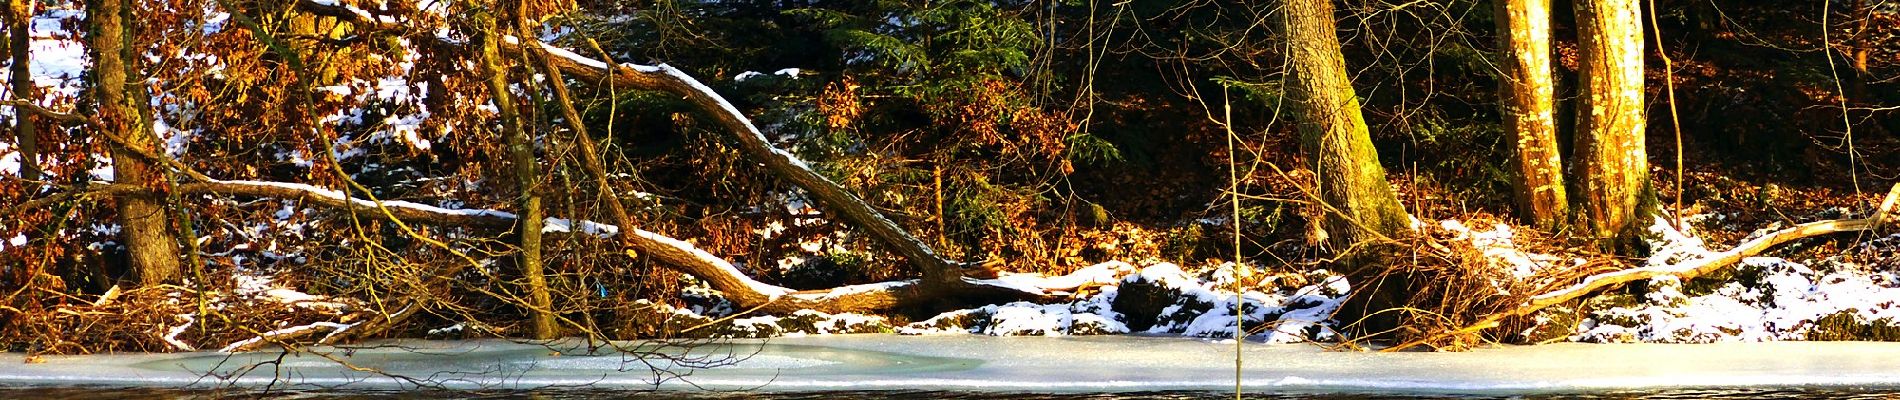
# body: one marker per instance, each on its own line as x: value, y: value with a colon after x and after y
x: 563, y: 225
x: 285, y: 334
x: 171, y: 335
x: 847, y: 291
x: 694, y: 261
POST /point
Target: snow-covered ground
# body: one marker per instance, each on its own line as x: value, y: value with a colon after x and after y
x: 985, y: 363
x: 1845, y: 296
x: 1111, y: 298
x: 1854, y: 296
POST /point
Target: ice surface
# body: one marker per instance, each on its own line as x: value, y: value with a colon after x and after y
x: 1042, y: 364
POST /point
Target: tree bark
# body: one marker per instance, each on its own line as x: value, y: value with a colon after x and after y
x: 1527, y: 88
x: 521, y: 156
x: 151, y: 248
x: 20, y: 39
x: 1333, y: 134
x: 1613, y: 171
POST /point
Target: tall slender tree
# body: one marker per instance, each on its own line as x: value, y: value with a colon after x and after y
x: 1612, y: 166
x: 1527, y: 90
x: 20, y: 39
x: 1360, y: 204
x: 522, y: 159
x: 151, y: 247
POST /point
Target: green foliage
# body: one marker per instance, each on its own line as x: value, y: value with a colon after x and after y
x: 976, y: 206
x: 1092, y: 149
x: 1253, y: 94
x: 1468, y: 153
x: 926, y: 39
x: 1848, y: 325
x: 1185, y: 243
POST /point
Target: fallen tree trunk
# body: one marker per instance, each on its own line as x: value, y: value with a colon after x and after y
x: 939, y: 274
x: 679, y: 254
x: 936, y: 269
x: 1685, y: 270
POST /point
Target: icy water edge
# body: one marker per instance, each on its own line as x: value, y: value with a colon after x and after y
x: 167, y: 394
x: 974, y: 367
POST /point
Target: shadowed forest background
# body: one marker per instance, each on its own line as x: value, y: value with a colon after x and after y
x: 254, y: 140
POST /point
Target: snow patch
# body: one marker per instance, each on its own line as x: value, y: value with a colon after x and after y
x: 1762, y: 299
x: 587, y: 227
x: 1161, y: 299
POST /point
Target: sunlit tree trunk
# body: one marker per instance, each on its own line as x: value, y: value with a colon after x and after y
x: 151, y: 247
x: 20, y: 40
x: 1612, y: 169
x: 521, y: 156
x: 1861, y: 47
x: 1527, y: 88
x: 1333, y: 134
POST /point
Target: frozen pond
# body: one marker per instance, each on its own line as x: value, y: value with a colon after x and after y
x: 964, y: 363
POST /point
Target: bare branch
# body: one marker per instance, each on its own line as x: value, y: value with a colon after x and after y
x: 72, y: 118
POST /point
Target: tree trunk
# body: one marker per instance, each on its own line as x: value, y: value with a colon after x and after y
x: 1362, y: 206
x: 20, y: 39
x: 1526, y: 89
x: 151, y: 248
x: 1861, y: 44
x: 1612, y: 169
x: 521, y: 156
